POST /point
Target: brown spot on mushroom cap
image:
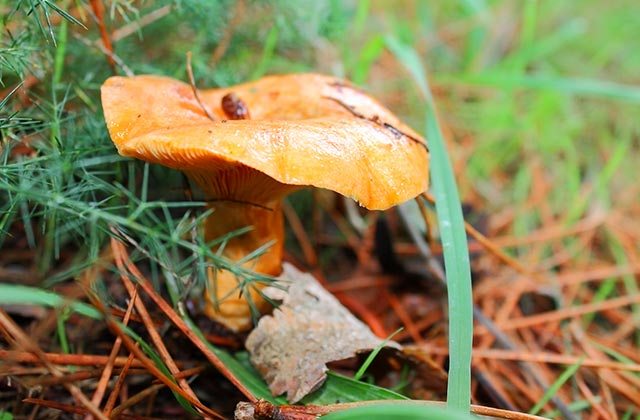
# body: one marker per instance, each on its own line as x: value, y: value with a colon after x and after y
x: 296, y: 136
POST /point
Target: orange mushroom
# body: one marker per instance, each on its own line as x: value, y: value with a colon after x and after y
x: 303, y: 130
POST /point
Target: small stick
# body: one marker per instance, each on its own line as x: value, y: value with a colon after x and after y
x: 111, y: 401
x: 127, y: 71
x: 584, y: 388
x: 425, y: 322
x: 98, y: 11
x: 62, y: 359
x: 108, y: 369
x: 376, y: 120
x: 192, y: 82
x: 135, y: 399
x: 363, y: 313
x: 138, y: 24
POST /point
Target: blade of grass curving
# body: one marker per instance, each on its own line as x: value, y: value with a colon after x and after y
x: 371, y: 357
x: 453, y: 237
x: 339, y: 388
x: 555, y: 387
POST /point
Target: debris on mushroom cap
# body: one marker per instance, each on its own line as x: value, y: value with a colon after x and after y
x: 305, y: 129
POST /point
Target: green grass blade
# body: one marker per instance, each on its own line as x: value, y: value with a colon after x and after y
x: 371, y: 357
x: 342, y: 389
x: 457, y: 266
x: 555, y: 387
x: 453, y: 237
x: 398, y: 411
x: 11, y: 294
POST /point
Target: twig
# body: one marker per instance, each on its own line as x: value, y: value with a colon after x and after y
x: 62, y: 359
x: 108, y: 369
x: 192, y: 83
x: 138, y: 24
x: 57, y: 380
x: 578, y: 277
x: 546, y: 234
x: 377, y: 121
x: 361, y: 282
x: 98, y: 11
x: 425, y: 322
x: 111, y: 401
x: 127, y: 71
x: 584, y: 388
x: 364, y: 313
x: 135, y: 399
x: 405, y: 318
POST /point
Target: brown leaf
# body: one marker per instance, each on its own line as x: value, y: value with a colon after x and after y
x: 291, y: 347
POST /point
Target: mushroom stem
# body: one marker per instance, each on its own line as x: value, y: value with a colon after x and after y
x: 224, y: 301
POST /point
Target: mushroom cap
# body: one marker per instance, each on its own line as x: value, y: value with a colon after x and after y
x: 305, y: 129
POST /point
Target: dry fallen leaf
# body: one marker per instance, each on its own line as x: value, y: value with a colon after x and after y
x: 291, y: 347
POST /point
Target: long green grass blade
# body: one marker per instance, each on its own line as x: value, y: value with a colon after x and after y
x: 453, y: 237
x: 399, y: 411
x: 11, y: 294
